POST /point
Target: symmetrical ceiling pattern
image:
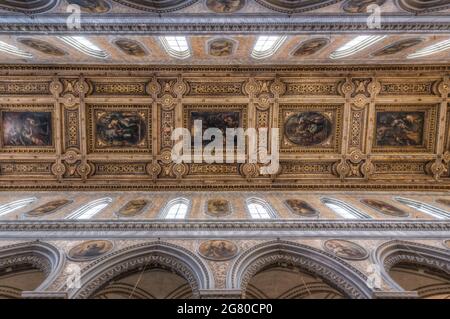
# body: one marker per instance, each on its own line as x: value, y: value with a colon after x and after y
x: 374, y: 126
x: 219, y: 49
x: 220, y: 6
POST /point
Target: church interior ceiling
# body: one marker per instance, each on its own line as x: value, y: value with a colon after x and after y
x: 89, y: 99
x: 91, y: 92
x: 94, y: 126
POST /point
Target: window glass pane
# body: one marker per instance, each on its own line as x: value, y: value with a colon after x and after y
x: 10, y: 207
x: 343, y: 212
x: 357, y: 44
x: 432, y: 49
x: 10, y: 49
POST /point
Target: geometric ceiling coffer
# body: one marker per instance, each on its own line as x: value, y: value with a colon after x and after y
x: 28, y: 6
x: 421, y: 6
x: 157, y: 5
x: 227, y: 6
x: 358, y: 6
x: 293, y: 6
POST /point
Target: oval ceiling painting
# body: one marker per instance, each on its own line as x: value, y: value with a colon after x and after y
x: 220, y: 47
x: 397, y: 47
x: 384, y: 208
x: 292, y: 6
x: 345, y: 249
x: 157, y: 5
x: 130, y: 47
x: 90, y: 250
x: 92, y: 6
x: 225, y: 6
x: 218, y: 250
x: 310, y: 47
x: 308, y: 128
x: 48, y: 208
x: 300, y: 207
x: 42, y: 46
x: 447, y: 243
x: 360, y: 6
x: 218, y: 207
x: 133, y: 207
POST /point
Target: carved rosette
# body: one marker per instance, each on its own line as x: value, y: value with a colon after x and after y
x: 153, y: 87
x: 356, y: 156
x: 442, y: 88
x: 69, y: 100
x: 341, y: 169
x: 58, y: 169
x: 180, y: 87
x: 84, y: 170
x: 153, y: 169
x: 167, y: 102
x: 436, y: 168
x: 249, y: 170
x: 166, y: 156
x: 56, y: 87
x: 180, y: 170
x: 374, y: 88
x: 71, y: 157
x: 264, y: 101
x: 367, y: 169
x: 251, y: 87
x: 345, y: 87
x: 360, y: 101
x: 83, y: 87
x: 278, y: 87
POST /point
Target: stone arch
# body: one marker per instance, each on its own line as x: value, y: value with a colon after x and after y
x: 333, y: 270
x: 178, y: 259
x: 45, y: 257
x: 394, y: 252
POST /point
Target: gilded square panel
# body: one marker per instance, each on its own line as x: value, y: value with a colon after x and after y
x: 27, y: 128
x: 404, y: 128
x: 310, y: 127
x: 119, y: 128
x: 215, y: 116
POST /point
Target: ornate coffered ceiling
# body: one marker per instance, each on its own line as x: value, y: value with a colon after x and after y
x: 373, y: 126
x: 377, y: 118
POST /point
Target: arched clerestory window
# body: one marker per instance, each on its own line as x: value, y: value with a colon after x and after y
x: 90, y: 209
x: 343, y: 209
x: 424, y: 208
x: 10, y: 207
x: 176, y: 209
x: 259, y: 209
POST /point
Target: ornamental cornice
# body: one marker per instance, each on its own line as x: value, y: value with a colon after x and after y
x: 235, y: 225
x: 198, y: 23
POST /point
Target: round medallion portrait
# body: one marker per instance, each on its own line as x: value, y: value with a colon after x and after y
x: 218, y: 207
x: 308, y: 128
x: 218, y: 250
x: 345, y: 249
x: 89, y: 250
x: 225, y: 6
x: 447, y: 243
